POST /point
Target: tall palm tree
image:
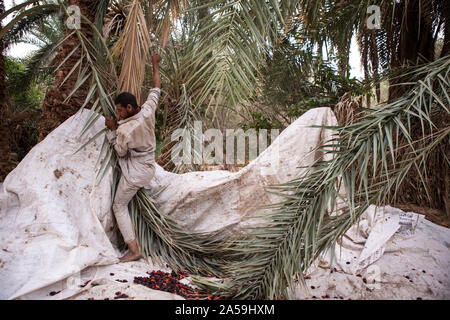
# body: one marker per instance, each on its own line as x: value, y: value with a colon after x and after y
x: 417, y: 23
x: 5, y: 161
x: 406, y: 37
x: 60, y: 103
x: 32, y: 21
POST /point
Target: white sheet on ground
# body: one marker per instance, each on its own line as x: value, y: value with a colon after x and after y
x: 382, y: 260
x: 57, y: 230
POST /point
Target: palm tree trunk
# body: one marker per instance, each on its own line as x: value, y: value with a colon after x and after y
x: 410, y: 40
x: 343, y: 60
x: 416, y: 41
x: 6, y: 164
x: 55, y: 110
x: 446, y: 21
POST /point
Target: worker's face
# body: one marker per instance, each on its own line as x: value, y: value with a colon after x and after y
x: 123, y: 113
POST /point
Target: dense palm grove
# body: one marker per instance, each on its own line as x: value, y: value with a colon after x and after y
x: 253, y: 64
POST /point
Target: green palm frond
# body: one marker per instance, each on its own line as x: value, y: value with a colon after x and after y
x: 97, y: 66
x: 364, y: 165
x: 161, y: 238
x: 218, y: 57
x: 35, y: 13
x: 37, y: 67
x: 18, y: 7
x: 181, y: 113
x: 183, y: 119
x: 47, y: 37
x: 101, y: 11
x: 234, y: 42
x: 26, y: 24
x: 50, y: 31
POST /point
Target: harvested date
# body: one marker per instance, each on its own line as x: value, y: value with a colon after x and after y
x: 122, y: 281
x: 84, y: 284
x: 170, y: 282
x: 120, y: 295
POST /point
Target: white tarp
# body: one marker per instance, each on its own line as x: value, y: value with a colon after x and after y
x: 384, y: 258
x: 56, y: 226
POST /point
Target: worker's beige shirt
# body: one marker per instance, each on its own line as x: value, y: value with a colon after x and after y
x: 135, y: 143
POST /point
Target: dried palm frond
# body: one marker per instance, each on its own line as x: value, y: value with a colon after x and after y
x: 133, y: 48
x: 115, y: 20
x: 347, y: 109
x: 168, y: 12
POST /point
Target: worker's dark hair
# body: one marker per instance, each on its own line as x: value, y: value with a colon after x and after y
x: 126, y: 98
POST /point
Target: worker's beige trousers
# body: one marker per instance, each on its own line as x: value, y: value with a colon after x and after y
x: 125, y: 192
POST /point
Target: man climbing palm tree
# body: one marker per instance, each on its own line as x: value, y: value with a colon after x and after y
x: 133, y: 137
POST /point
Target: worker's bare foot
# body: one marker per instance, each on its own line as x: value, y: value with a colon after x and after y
x: 133, y: 253
x: 131, y: 256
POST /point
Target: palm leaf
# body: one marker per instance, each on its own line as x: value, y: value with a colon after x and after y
x: 234, y: 39
x: 25, y: 24
x: 35, y: 12
x: 300, y: 228
x: 133, y: 47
